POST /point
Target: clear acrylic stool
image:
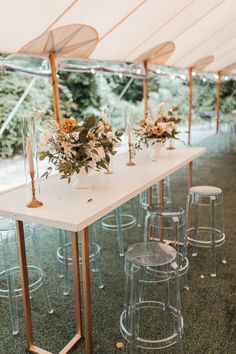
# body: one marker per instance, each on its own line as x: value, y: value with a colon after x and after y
x: 10, y: 285
x: 166, y: 223
x: 118, y: 222
x: 151, y: 318
x: 143, y: 198
x: 205, y: 215
x: 64, y: 257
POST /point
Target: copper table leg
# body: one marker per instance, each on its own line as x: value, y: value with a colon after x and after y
x: 86, y: 291
x: 31, y: 347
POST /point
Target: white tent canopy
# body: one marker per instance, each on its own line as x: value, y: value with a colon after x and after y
x: 127, y: 29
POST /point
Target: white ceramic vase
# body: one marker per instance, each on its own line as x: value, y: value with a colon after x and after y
x: 81, y: 180
x: 154, y: 149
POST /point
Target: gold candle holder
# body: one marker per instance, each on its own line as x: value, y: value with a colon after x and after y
x: 29, y: 135
x: 171, y: 145
x: 130, y: 162
x: 34, y: 203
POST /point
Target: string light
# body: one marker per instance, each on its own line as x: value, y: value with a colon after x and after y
x: 130, y: 70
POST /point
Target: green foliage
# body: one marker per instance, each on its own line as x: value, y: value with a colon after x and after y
x: 83, y: 94
x: 84, y: 97
x: 12, y: 86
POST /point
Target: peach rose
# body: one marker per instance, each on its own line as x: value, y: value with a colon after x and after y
x: 107, y: 128
x: 158, y: 130
x: 68, y: 124
x: 142, y: 123
x: 90, y: 135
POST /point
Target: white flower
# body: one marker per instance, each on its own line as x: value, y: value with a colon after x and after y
x: 163, y: 126
x: 161, y: 108
x: 44, y: 138
x: 101, y: 152
x: 75, y: 135
x: 67, y: 148
x: 169, y: 129
x: 109, y: 135
x: 100, y: 127
x: 150, y: 121
x: 105, y: 117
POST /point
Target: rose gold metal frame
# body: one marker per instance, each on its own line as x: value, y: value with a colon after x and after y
x: 31, y: 347
x: 145, y: 89
x: 218, y: 102
x: 161, y: 201
x: 190, y: 101
x: 56, y: 100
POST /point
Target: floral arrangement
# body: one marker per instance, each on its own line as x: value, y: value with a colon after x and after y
x: 157, y: 127
x: 71, y: 147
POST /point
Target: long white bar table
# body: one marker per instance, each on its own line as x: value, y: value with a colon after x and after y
x: 76, y: 209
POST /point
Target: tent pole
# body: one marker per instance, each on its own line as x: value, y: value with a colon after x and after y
x: 218, y: 102
x: 56, y: 102
x: 190, y: 166
x: 145, y: 89
x: 145, y: 100
x: 190, y: 100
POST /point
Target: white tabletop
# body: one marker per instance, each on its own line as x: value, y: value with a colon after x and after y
x: 69, y: 209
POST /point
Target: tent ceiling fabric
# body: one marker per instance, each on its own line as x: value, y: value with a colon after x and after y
x: 129, y: 29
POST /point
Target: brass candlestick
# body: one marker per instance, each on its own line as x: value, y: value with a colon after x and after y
x: 34, y: 202
x: 130, y: 162
x: 171, y: 146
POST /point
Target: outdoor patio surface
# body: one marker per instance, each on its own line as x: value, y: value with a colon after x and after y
x: 208, y: 307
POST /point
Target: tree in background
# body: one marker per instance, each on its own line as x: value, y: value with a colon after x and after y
x: 12, y: 86
x: 82, y: 96
x: 85, y: 94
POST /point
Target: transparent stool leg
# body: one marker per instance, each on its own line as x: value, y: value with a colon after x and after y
x: 37, y: 249
x: 61, y: 245
x: 46, y: 296
x: 134, y: 322
x: 11, y: 287
x: 140, y: 211
x: 180, y: 324
x: 146, y: 227
x: 119, y: 234
x: 66, y: 269
x: 167, y: 312
x: 97, y: 267
x: 195, y: 229
x: 213, y: 248
x: 223, y: 259
x: 12, y: 304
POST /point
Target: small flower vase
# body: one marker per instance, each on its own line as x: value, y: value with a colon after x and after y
x: 154, y: 148
x: 81, y: 180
